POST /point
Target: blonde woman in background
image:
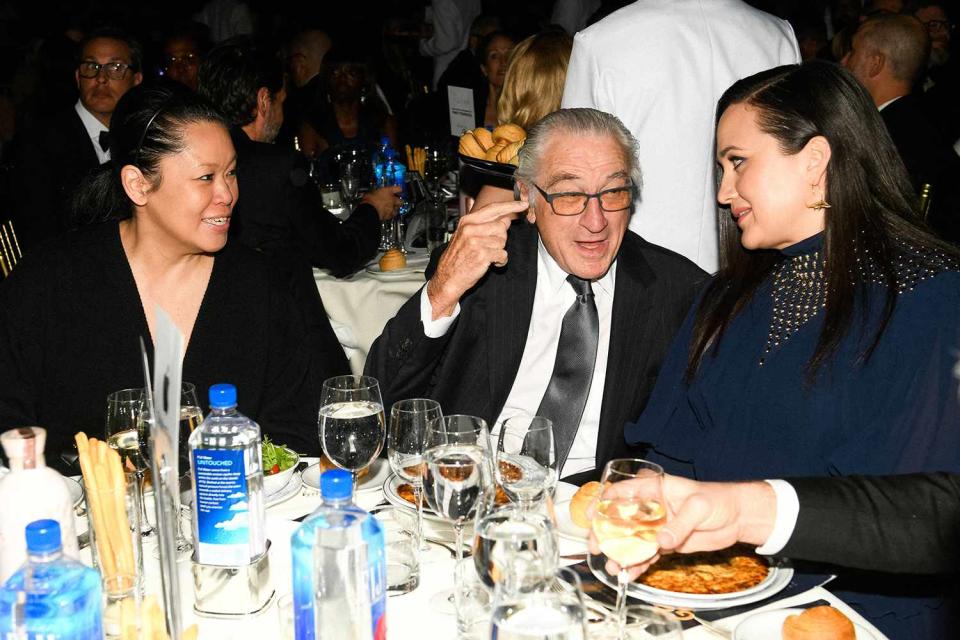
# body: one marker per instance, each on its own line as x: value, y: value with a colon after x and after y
x: 532, y: 88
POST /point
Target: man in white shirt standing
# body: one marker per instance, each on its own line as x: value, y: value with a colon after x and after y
x: 660, y: 66
x: 566, y: 315
x: 54, y: 155
x: 451, y: 32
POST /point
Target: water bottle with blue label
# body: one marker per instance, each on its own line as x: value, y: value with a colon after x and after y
x: 339, y: 568
x: 52, y: 597
x: 226, y: 463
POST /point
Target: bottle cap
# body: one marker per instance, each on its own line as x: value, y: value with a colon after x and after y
x: 223, y: 396
x: 336, y: 484
x: 43, y: 536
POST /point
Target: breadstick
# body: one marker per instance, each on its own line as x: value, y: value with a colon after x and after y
x: 106, y: 537
x: 125, y: 561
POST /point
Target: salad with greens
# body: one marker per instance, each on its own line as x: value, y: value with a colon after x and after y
x: 276, y: 457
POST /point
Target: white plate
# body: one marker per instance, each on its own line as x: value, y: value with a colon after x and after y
x: 390, y: 493
x: 379, y: 472
x: 76, y: 491
x: 776, y: 581
x: 416, y: 263
x: 769, y: 624
x: 286, y: 492
x: 561, y: 507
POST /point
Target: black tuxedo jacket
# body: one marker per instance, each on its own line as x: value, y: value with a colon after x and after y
x: 51, y: 159
x: 471, y: 369
x: 902, y: 524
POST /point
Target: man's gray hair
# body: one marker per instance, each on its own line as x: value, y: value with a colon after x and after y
x: 575, y: 122
x: 904, y: 42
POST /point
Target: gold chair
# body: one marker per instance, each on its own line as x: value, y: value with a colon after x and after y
x: 10, y: 252
x: 925, y: 194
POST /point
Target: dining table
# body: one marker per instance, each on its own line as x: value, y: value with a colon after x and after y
x: 360, y: 305
x: 410, y: 616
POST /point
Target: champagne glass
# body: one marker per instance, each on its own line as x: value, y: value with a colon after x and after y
x: 526, y: 459
x: 191, y: 415
x: 458, y: 469
x: 409, y: 421
x: 514, y: 549
x: 556, y: 611
x: 123, y: 434
x: 352, y: 424
x: 630, y: 511
x: 350, y: 171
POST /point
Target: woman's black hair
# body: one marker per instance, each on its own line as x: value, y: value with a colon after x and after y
x: 147, y: 125
x: 873, y: 207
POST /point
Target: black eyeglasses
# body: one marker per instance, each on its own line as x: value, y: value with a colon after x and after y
x: 573, y: 203
x: 938, y: 25
x: 114, y: 70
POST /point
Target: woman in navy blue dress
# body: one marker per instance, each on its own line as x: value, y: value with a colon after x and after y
x: 826, y: 343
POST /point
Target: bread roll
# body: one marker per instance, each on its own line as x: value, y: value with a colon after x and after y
x: 470, y: 147
x: 582, y: 499
x: 493, y: 151
x: 819, y: 623
x: 509, y: 132
x: 393, y: 259
x: 484, y: 137
x: 508, y: 155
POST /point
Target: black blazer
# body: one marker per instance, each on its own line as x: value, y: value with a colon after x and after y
x: 51, y: 159
x: 901, y: 524
x: 471, y: 369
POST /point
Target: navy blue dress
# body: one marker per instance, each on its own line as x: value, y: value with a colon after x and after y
x: 749, y: 413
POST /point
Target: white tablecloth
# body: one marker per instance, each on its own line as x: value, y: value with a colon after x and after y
x: 409, y: 616
x: 359, y: 306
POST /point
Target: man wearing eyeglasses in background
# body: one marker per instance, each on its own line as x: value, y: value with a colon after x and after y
x: 567, y: 317
x: 53, y: 157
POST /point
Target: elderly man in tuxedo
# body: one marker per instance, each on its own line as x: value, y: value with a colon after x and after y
x: 566, y: 315
x: 53, y: 156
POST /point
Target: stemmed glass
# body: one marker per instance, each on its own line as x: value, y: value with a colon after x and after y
x: 640, y: 623
x: 123, y: 434
x: 526, y: 459
x: 458, y: 458
x: 352, y: 424
x: 409, y: 422
x: 191, y: 415
x: 630, y: 511
x: 350, y: 173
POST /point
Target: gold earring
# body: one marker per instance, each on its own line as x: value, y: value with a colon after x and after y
x: 820, y: 204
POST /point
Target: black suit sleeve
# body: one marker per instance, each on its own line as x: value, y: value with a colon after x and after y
x: 900, y: 524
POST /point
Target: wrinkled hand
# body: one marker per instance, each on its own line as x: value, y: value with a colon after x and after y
x: 479, y: 241
x: 705, y: 516
x: 386, y: 200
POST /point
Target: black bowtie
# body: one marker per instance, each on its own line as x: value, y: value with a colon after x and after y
x: 105, y: 140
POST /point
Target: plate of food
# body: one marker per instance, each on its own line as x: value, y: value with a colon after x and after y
x: 399, y: 492
x: 570, y: 508
x: 394, y: 264
x: 709, y: 580
x: 279, y: 463
x: 822, y: 623
x: 369, y: 479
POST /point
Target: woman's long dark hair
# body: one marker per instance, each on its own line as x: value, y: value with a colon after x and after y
x: 147, y: 125
x: 873, y: 208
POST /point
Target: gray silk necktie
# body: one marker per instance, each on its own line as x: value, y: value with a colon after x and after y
x: 569, y: 386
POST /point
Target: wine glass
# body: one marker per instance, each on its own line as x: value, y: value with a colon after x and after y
x: 630, y: 511
x: 514, y: 549
x: 123, y: 434
x: 556, y: 610
x: 352, y: 424
x: 526, y: 459
x: 458, y: 469
x: 350, y: 173
x: 191, y: 415
x: 409, y: 421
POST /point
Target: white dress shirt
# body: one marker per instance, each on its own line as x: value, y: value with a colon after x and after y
x: 452, y: 20
x: 660, y: 66
x: 788, y: 508
x: 552, y: 298
x: 93, y: 127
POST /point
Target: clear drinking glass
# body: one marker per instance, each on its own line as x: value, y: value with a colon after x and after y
x: 630, y: 511
x: 403, y: 557
x: 121, y: 607
x: 640, y: 622
x: 526, y: 460
x: 458, y: 471
x: 409, y: 422
x: 472, y: 603
x: 124, y: 559
x: 555, y: 611
x: 352, y: 425
x: 351, y: 173
x: 123, y: 433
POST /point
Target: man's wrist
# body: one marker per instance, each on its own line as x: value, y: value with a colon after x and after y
x: 757, y: 503
x: 439, y: 304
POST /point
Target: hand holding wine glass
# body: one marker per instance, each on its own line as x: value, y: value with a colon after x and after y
x: 630, y: 511
x: 352, y: 425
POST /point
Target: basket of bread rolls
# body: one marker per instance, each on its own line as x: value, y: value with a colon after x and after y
x: 489, y: 157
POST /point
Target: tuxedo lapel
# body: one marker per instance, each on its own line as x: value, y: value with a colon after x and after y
x: 629, y: 332
x: 511, y: 306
